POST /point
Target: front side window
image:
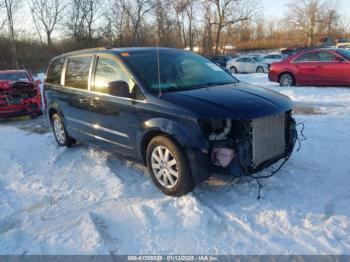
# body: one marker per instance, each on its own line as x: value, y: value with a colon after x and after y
x: 108, y: 71
x: 327, y: 57
x: 77, y: 72
x: 175, y: 70
x: 55, y: 71
x: 14, y: 76
x: 240, y: 60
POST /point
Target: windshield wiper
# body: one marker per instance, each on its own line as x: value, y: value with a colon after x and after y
x: 211, y: 84
x: 206, y: 85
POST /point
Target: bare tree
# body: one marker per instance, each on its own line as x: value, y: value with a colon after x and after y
x: 136, y: 11
x: 187, y: 8
x: 11, y: 6
x: 91, y: 8
x: 76, y: 20
x: 331, y: 15
x: 46, y: 14
x: 3, y: 22
x: 306, y: 17
x: 230, y: 12
x: 114, y: 23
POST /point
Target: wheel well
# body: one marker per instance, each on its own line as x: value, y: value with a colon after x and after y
x: 286, y: 72
x: 52, y: 111
x: 147, y: 139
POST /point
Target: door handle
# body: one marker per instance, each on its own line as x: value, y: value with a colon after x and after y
x: 82, y: 100
x: 95, y: 102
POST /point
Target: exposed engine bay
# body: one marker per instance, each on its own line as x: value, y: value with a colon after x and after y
x: 16, y: 96
x: 244, y: 147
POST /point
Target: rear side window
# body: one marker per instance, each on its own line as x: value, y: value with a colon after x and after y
x: 55, y: 71
x: 308, y: 57
x: 77, y: 72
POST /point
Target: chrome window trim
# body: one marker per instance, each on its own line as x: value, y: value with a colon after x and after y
x: 305, y: 62
x: 108, y: 95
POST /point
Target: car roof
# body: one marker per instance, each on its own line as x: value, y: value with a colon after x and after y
x: 118, y: 50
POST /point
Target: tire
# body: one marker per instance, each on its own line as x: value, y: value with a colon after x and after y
x: 260, y: 69
x: 172, y: 174
x: 286, y: 79
x: 60, y: 132
x: 233, y: 70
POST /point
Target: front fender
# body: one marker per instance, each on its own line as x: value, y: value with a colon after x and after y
x: 187, y: 133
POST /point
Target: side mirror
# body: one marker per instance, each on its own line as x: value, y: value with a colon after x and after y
x: 119, y: 88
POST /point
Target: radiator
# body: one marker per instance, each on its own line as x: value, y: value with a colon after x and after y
x: 268, y: 138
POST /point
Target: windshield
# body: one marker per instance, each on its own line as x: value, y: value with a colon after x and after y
x: 14, y: 76
x: 258, y: 59
x: 345, y: 53
x: 178, y: 70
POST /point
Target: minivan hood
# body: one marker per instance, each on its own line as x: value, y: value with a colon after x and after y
x: 237, y: 101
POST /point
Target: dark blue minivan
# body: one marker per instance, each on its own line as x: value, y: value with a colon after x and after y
x: 177, y: 112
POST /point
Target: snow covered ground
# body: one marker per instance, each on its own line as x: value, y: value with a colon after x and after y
x: 84, y: 201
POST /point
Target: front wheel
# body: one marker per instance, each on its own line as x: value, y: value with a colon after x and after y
x: 60, y: 132
x: 168, y: 166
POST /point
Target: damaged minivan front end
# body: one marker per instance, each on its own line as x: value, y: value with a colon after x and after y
x: 245, y: 128
x: 243, y: 147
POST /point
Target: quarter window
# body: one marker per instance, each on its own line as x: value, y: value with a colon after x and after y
x: 77, y: 72
x: 107, y: 71
x: 55, y: 71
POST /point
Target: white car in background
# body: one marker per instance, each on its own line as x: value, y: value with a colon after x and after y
x: 247, y: 64
x: 269, y: 59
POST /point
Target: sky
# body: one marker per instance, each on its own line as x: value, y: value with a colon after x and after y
x: 277, y: 8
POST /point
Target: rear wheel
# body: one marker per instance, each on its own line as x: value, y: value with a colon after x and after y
x: 286, y: 79
x: 260, y: 69
x: 233, y: 70
x: 168, y: 166
x: 60, y: 132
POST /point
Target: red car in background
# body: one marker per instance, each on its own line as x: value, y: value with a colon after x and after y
x: 319, y: 67
x: 19, y: 94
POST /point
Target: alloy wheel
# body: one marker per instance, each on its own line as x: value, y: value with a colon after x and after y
x: 286, y: 80
x: 59, y: 131
x: 164, y: 166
